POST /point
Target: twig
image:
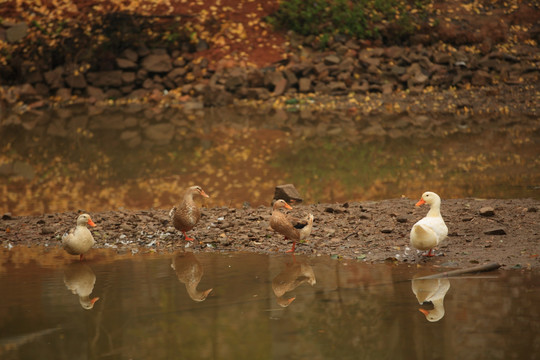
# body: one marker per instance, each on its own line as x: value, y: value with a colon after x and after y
x: 475, y: 269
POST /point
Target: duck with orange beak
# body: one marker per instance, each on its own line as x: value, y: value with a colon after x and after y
x: 290, y: 227
x: 430, y: 231
x: 79, y: 239
x: 187, y: 213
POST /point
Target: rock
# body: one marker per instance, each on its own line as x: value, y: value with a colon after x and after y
x: 23, y: 169
x: 111, y: 78
x: 158, y: 63
x: 374, y: 130
x: 76, y: 81
x: 288, y: 193
x: 7, y: 216
x: 275, y: 81
x: 128, y: 77
x: 236, y: 78
x: 217, y: 96
x: 47, y: 230
x: 280, y: 87
x: 126, y: 64
x: 257, y: 93
x: 160, y: 133
x: 26, y: 92
x: 177, y: 75
x: 487, y: 211
x: 54, y: 78
x: 130, y: 54
x: 64, y: 94
x: 193, y: 105
x: 337, y: 86
x: 16, y: 32
x: 495, y: 231
x: 304, y: 85
x: 332, y: 60
x: 95, y: 93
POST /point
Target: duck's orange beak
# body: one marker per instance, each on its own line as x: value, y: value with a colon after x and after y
x: 91, y: 223
x: 94, y: 300
x: 288, y: 206
x: 203, y: 194
x: 424, y: 311
x: 421, y: 202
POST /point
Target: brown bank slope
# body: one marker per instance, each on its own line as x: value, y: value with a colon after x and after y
x: 480, y: 231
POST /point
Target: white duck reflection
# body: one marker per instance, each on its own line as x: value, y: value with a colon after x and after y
x: 80, y: 279
x: 431, y: 290
x: 189, y: 272
x: 293, y: 275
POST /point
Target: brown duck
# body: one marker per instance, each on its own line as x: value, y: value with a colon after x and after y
x: 189, y: 272
x: 290, y: 227
x: 187, y: 214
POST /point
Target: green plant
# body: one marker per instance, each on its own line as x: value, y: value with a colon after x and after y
x: 364, y: 19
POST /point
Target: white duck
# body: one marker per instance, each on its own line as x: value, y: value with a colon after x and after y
x: 431, y: 230
x: 431, y: 290
x: 79, y: 239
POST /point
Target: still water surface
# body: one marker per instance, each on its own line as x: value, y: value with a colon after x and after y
x: 248, y: 306
x: 99, y: 159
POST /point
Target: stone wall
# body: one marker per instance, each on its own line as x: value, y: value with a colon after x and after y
x: 345, y: 67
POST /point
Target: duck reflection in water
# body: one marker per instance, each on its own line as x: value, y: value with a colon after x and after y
x: 431, y: 290
x: 293, y: 275
x: 80, y: 279
x: 189, y: 271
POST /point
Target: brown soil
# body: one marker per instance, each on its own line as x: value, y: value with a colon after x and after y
x: 367, y: 231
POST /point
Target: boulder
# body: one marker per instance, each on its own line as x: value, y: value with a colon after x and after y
x: 304, y: 85
x: 161, y: 134
x: 130, y: 54
x: 126, y: 64
x: 76, y: 81
x: 16, y: 32
x: 288, y: 193
x: 157, y: 63
x: 54, y: 78
x: 111, y: 78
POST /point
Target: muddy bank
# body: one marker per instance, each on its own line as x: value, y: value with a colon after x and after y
x: 480, y: 231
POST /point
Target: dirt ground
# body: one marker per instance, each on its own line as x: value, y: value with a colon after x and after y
x: 374, y: 232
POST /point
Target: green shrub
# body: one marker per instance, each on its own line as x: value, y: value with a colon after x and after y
x: 363, y: 19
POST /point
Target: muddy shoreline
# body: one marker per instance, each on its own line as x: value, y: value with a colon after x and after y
x: 506, y: 231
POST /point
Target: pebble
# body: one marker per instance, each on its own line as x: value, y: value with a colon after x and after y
x: 487, y: 211
x: 495, y: 231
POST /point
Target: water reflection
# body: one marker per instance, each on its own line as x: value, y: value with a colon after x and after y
x: 189, y: 272
x: 293, y: 275
x: 355, y: 311
x: 79, y: 278
x: 55, y: 156
x: 431, y: 291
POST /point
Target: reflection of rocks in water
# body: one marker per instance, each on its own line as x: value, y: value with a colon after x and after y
x: 189, y: 271
x: 431, y: 290
x: 292, y: 276
x: 80, y: 279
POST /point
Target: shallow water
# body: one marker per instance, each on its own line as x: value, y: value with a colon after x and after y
x: 247, y: 306
x: 136, y: 157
